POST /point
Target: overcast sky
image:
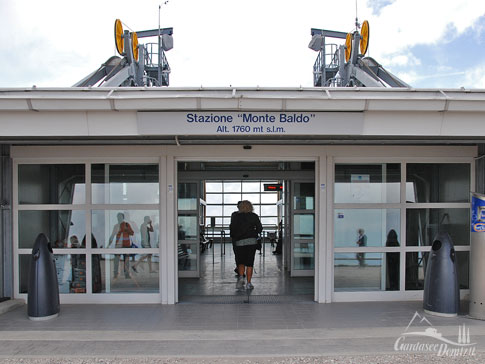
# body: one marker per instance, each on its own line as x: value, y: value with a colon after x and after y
x: 427, y: 43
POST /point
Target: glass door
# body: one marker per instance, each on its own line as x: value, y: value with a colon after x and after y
x: 303, y: 229
x: 188, y: 229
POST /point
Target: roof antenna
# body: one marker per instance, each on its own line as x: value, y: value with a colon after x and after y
x: 357, y: 25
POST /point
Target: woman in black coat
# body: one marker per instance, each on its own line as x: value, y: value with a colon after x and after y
x: 245, y: 228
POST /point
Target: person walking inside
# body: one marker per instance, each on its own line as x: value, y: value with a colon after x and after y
x: 145, y: 229
x: 245, y: 228
x: 361, y: 242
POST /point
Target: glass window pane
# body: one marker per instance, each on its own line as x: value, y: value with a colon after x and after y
x: 63, y: 228
x: 125, y: 183
x: 251, y: 186
x: 232, y: 186
x: 70, y: 268
x: 367, y: 183
x: 187, y: 256
x: 213, y: 210
x: 187, y: 227
x: 229, y: 209
x: 304, y: 227
x: 187, y: 196
x: 232, y: 198
x: 437, y: 182
x: 422, y: 225
x: 304, y: 255
x: 303, y: 196
x: 122, y: 229
x: 112, y: 273
x: 380, y: 226
x: 252, y: 197
x: 269, y: 221
x: 213, y: 186
x: 366, y: 271
x: 51, y: 183
x: 271, y: 210
x: 416, y: 263
x: 213, y: 198
x: 269, y: 198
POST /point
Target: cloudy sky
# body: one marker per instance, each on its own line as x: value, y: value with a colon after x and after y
x: 427, y: 43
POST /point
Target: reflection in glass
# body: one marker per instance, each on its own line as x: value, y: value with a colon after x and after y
x: 187, y: 196
x: 462, y: 269
x: 304, y: 227
x: 70, y: 268
x: 63, y: 228
x: 304, y: 255
x: 437, y: 182
x: 376, y: 224
x: 141, y: 281
x: 350, y: 275
x: 416, y: 263
x: 111, y: 228
x: 422, y: 225
x: 367, y: 183
x: 125, y: 183
x: 303, y: 196
x: 187, y: 227
x: 187, y: 256
x: 51, y: 183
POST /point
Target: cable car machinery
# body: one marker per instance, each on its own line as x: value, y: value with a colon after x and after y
x: 343, y: 65
x: 139, y: 64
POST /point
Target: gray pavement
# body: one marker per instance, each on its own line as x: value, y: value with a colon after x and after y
x: 242, y: 333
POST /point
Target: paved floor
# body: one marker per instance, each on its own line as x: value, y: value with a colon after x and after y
x: 256, y: 332
x: 217, y: 277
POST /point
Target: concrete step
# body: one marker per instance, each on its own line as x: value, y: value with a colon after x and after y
x: 10, y: 305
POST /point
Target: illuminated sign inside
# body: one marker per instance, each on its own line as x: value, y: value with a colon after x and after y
x: 273, y: 187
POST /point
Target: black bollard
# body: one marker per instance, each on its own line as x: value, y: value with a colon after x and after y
x: 43, y: 291
x: 441, y: 291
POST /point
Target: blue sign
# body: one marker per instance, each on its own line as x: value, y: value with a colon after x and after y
x: 477, y: 213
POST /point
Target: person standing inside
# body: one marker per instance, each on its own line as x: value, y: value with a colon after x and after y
x: 122, y: 231
x: 361, y: 242
x: 245, y: 228
x: 145, y: 229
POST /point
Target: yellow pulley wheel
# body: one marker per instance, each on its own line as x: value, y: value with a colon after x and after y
x: 348, y: 46
x: 119, y: 41
x: 134, y: 44
x: 364, y: 39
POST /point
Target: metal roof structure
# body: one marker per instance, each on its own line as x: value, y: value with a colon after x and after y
x: 108, y: 115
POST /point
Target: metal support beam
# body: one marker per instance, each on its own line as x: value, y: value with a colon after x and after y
x: 329, y: 33
x: 154, y: 32
x: 480, y: 170
x: 6, y: 245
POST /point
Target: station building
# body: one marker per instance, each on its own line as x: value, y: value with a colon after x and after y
x: 395, y: 164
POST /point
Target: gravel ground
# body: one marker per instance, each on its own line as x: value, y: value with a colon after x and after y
x: 479, y: 358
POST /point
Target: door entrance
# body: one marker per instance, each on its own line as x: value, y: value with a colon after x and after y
x: 283, y: 196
